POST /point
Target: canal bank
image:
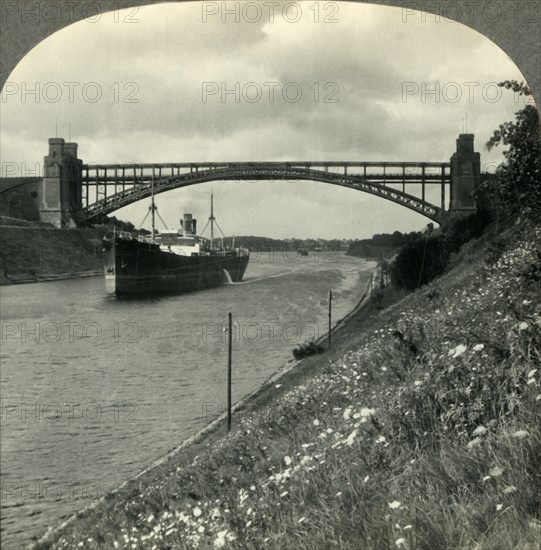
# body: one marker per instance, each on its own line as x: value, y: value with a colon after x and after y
x: 360, y: 447
x: 72, y: 349
x: 285, y: 376
x: 38, y: 252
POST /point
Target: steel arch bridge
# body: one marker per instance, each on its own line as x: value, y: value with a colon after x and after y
x: 108, y: 187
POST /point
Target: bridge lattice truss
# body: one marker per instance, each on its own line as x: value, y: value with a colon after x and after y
x: 115, y: 186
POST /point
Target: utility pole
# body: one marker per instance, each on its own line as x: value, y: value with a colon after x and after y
x: 330, y: 314
x: 229, y: 369
x: 153, y: 207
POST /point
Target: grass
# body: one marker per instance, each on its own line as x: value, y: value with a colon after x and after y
x: 28, y: 252
x: 420, y: 429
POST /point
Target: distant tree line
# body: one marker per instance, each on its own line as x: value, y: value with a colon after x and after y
x: 121, y: 225
x: 381, y: 244
x: 263, y: 244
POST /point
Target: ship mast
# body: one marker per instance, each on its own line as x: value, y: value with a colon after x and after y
x: 212, y: 218
x: 212, y: 221
x: 153, y: 210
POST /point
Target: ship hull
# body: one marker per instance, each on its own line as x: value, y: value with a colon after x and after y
x: 133, y: 267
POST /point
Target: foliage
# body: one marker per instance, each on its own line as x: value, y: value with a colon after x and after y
x: 426, y: 258
x: 381, y: 244
x: 518, y: 184
x: 310, y: 347
x: 286, y: 247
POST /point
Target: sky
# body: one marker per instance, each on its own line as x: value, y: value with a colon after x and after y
x: 316, y: 81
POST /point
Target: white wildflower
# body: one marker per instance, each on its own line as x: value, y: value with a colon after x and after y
x: 496, y: 471
x: 400, y: 542
x: 219, y: 542
x: 394, y: 504
x: 287, y: 460
x: 351, y: 438
x: 473, y: 443
x: 478, y: 347
x: 499, y: 507
x: 197, y: 511
x: 480, y: 430
x: 459, y: 350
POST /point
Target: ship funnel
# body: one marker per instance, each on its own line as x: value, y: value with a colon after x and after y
x: 188, y: 226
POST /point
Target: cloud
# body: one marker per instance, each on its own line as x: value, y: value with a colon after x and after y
x: 352, y: 76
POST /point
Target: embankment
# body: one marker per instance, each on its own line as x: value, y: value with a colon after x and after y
x: 36, y: 251
x: 419, y: 429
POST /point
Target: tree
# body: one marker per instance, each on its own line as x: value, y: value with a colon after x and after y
x: 518, y: 185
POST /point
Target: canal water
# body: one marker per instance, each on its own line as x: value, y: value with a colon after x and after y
x: 94, y: 389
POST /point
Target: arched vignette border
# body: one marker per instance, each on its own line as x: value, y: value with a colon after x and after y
x: 513, y: 25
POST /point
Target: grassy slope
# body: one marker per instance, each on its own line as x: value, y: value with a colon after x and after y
x: 421, y: 429
x: 34, y: 250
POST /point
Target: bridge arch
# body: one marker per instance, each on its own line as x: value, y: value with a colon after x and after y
x: 381, y: 184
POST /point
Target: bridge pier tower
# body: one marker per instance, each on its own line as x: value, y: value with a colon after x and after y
x: 61, y: 191
x: 465, y: 176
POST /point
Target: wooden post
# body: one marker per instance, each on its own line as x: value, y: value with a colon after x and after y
x: 330, y: 313
x: 229, y: 356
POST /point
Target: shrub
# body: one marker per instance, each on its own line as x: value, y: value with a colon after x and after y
x: 518, y: 186
x: 310, y: 347
x: 426, y: 258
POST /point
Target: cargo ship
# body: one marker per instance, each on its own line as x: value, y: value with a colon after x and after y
x: 170, y: 262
